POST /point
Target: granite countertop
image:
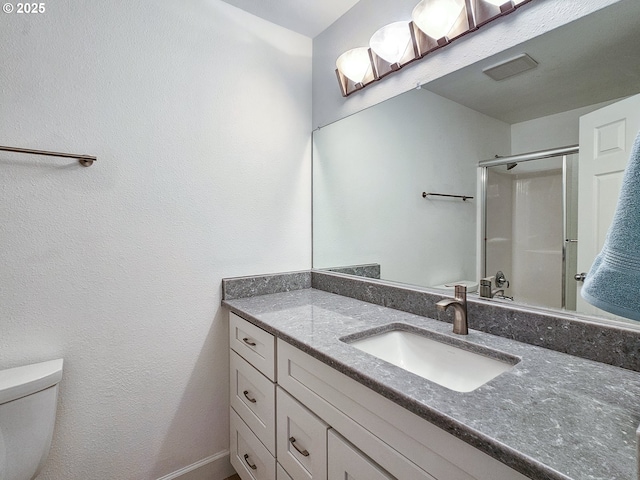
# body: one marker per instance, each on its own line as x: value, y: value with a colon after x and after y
x: 552, y: 416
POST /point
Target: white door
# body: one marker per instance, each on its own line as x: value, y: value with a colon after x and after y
x: 606, y: 138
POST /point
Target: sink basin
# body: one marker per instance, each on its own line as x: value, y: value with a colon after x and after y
x: 437, y: 357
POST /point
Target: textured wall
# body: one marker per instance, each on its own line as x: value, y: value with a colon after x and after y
x: 354, y: 29
x: 200, y: 117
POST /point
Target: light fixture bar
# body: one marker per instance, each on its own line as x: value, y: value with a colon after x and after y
x: 435, y: 24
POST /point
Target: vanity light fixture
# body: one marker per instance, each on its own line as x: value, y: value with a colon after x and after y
x: 355, y: 70
x: 487, y: 10
x: 440, y: 21
x: 393, y: 46
x: 435, y: 24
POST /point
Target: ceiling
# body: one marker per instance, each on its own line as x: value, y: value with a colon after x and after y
x: 588, y: 61
x: 308, y: 17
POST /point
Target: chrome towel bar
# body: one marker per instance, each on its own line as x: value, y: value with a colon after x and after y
x: 85, y: 160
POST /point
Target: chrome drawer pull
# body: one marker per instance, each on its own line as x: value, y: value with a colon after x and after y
x: 301, y: 452
x: 246, y: 459
x: 246, y: 395
x: 249, y: 342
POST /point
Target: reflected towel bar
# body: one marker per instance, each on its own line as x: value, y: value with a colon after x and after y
x: 85, y: 160
x: 463, y: 197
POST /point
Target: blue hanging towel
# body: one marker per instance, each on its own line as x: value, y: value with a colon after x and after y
x: 613, y: 283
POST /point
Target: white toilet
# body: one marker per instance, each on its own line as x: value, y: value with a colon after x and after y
x: 28, y: 399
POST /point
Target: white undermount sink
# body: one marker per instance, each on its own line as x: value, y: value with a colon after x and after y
x: 453, y: 367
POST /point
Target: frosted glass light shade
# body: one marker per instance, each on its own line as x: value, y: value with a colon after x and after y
x: 391, y: 42
x: 436, y: 18
x: 355, y: 64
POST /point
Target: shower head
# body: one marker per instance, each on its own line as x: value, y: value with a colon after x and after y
x: 511, y: 165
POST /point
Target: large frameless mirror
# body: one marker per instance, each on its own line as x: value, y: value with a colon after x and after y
x: 403, y: 190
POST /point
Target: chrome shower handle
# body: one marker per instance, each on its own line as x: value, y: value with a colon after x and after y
x: 501, y: 280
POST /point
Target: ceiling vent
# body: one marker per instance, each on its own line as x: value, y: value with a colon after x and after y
x: 511, y: 67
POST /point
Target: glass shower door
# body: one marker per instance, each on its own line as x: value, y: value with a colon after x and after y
x: 530, y: 225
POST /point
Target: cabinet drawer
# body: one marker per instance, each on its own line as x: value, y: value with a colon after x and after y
x: 301, y: 440
x: 281, y: 474
x: 249, y: 456
x: 253, y: 397
x: 345, y: 461
x: 253, y: 344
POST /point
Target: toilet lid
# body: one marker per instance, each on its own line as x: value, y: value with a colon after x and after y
x: 471, y: 285
x: 22, y: 381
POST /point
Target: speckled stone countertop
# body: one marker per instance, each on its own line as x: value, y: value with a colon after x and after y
x: 552, y: 416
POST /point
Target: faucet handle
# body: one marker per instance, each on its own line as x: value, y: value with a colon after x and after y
x: 460, y: 292
x: 501, y: 280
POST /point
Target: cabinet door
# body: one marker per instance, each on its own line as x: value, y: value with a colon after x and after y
x: 301, y: 439
x: 347, y: 462
x: 253, y: 397
x: 281, y: 474
x: 249, y: 456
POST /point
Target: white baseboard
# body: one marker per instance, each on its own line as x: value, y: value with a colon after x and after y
x: 215, y: 467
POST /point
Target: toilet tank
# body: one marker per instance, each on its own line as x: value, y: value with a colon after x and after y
x: 28, y: 399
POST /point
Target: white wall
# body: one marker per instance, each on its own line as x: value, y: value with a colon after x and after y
x: 370, y: 170
x: 355, y: 28
x: 200, y: 117
x: 551, y: 131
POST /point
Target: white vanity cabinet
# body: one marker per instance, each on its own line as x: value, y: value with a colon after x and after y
x: 281, y: 474
x: 327, y: 426
x: 253, y: 400
x: 301, y: 439
x: 249, y: 456
x: 254, y: 345
x: 346, y: 462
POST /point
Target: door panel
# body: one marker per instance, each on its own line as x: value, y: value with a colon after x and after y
x: 606, y: 138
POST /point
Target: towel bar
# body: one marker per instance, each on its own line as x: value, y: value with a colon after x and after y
x: 85, y: 160
x: 463, y: 197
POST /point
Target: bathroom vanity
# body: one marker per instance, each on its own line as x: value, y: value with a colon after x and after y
x: 307, y: 404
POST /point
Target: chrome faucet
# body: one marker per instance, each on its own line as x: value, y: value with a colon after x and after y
x: 459, y: 304
x: 485, y: 285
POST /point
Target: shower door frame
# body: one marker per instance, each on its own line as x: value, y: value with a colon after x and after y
x: 483, y: 165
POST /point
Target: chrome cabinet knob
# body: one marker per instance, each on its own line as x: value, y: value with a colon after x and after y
x: 580, y: 276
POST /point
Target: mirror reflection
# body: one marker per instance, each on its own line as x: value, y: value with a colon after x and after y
x: 521, y: 224
x: 530, y: 222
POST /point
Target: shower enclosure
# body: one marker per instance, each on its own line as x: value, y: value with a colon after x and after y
x: 529, y: 225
